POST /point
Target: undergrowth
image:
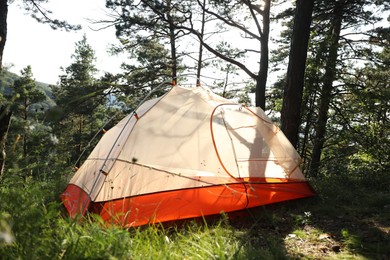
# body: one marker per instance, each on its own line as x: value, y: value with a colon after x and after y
x: 347, y: 220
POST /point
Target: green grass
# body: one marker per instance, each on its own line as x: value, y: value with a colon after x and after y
x: 348, y: 220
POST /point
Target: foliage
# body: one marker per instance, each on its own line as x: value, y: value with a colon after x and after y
x: 7, y: 80
x: 148, y: 68
x: 25, y: 97
x: 180, y: 26
x: 81, y: 104
x: 42, y: 15
x: 147, y: 32
x: 77, y: 86
x: 348, y: 122
x: 359, y: 116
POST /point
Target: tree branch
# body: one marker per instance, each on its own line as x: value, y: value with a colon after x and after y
x: 230, y: 22
x: 218, y: 54
x: 55, y: 24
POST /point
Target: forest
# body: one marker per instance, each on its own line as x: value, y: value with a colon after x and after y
x: 323, y: 78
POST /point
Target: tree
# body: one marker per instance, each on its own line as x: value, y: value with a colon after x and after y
x: 293, y: 90
x: 5, y: 118
x: 161, y: 18
x: 24, y: 98
x: 200, y: 53
x: 3, y: 28
x: 227, y: 68
x: 353, y: 48
x: 41, y: 15
x: 348, y: 17
x: 80, y: 99
x: 148, y: 68
x: 5, y: 112
x: 236, y: 15
x: 150, y: 23
x: 26, y: 95
x: 362, y: 110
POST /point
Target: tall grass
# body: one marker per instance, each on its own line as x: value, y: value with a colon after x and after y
x: 33, y: 225
x: 33, y: 217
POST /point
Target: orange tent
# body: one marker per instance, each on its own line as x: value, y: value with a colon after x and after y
x: 187, y: 154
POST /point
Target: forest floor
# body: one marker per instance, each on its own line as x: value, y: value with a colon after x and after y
x: 348, y: 219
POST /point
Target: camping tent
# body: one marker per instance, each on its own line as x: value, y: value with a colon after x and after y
x: 187, y: 154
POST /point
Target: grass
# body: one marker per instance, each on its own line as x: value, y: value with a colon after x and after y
x: 348, y: 220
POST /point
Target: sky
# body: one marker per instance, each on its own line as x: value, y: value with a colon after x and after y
x: 47, y: 50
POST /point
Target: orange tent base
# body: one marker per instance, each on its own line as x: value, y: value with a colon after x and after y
x: 188, y: 203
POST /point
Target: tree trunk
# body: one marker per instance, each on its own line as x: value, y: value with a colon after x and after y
x: 5, y: 113
x: 26, y: 126
x: 329, y: 76
x: 172, y: 39
x: 200, y: 56
x: 3, y: 29
x: 5, y: 119
x: 261, y: 80
x: 79, y: 146
x: 293, y: 91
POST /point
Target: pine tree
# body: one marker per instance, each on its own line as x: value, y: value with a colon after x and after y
x: 23, y: 149
x: 81, y: 100
x: 27, y: 94
x: 362, y: 110
x: 342, y: 17
x: 153, y: 24
x: 5, y: 117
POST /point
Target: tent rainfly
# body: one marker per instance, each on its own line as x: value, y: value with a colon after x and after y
x: 187, y: 154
